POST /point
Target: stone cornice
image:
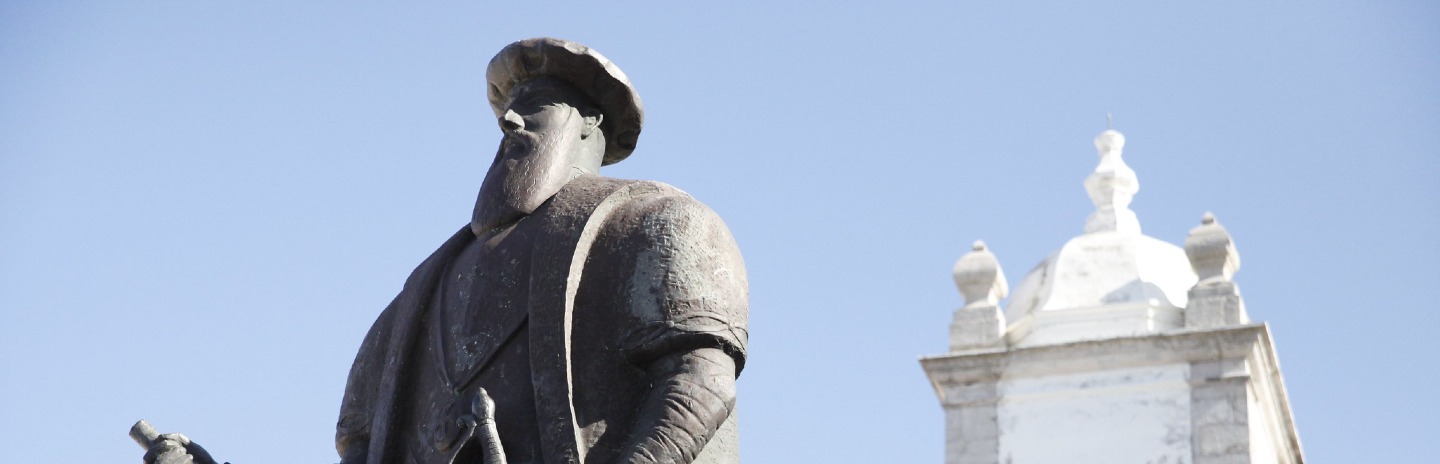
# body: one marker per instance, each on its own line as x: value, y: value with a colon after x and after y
x: 1182, y: 345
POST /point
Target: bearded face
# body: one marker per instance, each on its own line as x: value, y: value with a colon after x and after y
x: 547, y: 143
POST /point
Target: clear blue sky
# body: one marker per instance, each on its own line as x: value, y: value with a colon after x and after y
x: 203, y: 206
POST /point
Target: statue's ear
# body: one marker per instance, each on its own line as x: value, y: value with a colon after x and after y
x: 593, y: 118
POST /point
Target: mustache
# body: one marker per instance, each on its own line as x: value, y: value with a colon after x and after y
x: 520, y: 140
x: 517, y: 142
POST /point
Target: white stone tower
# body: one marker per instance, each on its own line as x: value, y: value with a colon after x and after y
x: 1119, y: 348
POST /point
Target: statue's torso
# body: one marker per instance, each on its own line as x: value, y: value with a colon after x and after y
x: 659, y: 275
x: 475, y: 336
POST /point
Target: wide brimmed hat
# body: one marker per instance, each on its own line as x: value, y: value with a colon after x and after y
x: 582, y: 67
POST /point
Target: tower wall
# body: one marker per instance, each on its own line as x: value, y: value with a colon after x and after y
x: 1202, y: 396
x: 1129, y: 414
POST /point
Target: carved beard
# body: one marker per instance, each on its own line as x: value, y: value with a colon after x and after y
x: 529, y: 169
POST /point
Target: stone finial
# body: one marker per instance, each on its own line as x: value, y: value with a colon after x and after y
x: 980, y: 324
x: 1211, y: 251
x: 1215, y: 300
x: 979, y: 277
x: 1111, y: 187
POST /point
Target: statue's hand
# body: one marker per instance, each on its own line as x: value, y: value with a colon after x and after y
x: 174, y: 448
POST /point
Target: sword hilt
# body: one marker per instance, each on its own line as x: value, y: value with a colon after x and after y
x: 483, y: 407
x: 144, y: 434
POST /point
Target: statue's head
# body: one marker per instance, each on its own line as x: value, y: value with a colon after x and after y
x: 588, y: 72
x: 565, y: 110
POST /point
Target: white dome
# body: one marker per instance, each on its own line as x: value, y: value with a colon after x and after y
x: 1101, y: 285
x: 1106, y: 268
x: 1112, y: 281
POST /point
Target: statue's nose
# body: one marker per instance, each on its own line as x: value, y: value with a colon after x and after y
x: 511, y: 121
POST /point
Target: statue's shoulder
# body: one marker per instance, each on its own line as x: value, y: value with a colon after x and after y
x: 652, y: 206
x: 642, y: 213
x: 629, y: 198
x: 422, y: 276
x: 625, y: 190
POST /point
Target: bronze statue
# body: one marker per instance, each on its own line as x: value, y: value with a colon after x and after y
x: 577, y: 318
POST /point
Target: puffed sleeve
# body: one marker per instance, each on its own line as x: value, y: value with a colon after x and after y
x: 687, y: 288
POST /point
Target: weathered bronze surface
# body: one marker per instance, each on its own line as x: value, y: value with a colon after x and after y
x: 576, y: 318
